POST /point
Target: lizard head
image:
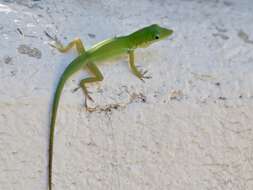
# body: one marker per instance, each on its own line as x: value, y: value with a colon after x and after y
x: 150, y: 34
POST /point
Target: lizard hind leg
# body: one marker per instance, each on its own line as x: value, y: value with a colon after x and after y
x: 97, y: 77
x: 77, y: 43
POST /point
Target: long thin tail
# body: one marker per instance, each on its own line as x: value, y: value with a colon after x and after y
x: 74, y: 66
x: 52, y: 127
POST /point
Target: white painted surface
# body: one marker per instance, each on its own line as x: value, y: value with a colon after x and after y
x: 189, y: 127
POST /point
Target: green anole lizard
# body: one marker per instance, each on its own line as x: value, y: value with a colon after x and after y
x: 88, y: 59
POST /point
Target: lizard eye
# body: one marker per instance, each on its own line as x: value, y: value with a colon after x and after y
x: 156, y: 37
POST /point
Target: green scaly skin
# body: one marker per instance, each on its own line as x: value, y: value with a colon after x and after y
x: 88, y: 60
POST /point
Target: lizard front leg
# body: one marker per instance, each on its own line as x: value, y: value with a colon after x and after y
x: 140, y: 74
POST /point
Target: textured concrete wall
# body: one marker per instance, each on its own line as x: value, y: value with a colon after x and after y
x: 189, y: 127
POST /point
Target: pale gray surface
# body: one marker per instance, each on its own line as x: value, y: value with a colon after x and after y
x: 189, y: 127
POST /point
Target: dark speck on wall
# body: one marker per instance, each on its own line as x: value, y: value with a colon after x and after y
x: 227, y: 3
x: 7, y: 59
x: 217, y: 83
x: 222, y: 98
x: 222, y: 36
x: 91, y: 35
x: 31, y: 52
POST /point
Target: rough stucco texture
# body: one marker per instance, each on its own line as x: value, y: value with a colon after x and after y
x: 189, y: 127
